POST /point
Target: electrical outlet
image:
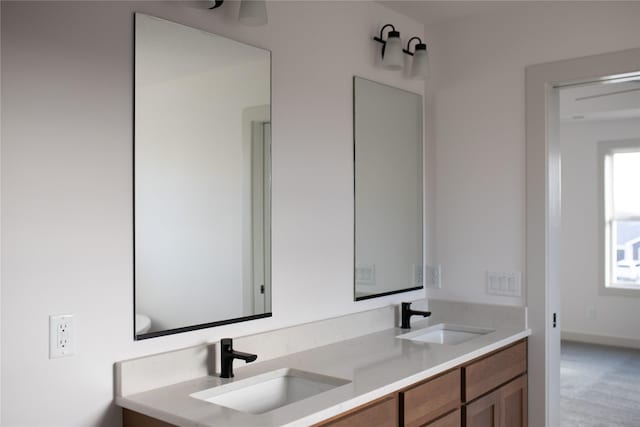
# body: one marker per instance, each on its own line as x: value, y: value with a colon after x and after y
x: 61, y: 336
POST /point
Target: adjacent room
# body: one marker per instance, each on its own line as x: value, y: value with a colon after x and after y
x: 599, y: 135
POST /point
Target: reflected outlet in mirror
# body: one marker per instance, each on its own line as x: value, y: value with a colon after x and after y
x: 445, y: 333
x: 269, y: 391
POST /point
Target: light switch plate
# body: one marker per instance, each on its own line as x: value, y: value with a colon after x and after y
x: 504, y: 283
x: 366, y: 274
x: 62, y: 338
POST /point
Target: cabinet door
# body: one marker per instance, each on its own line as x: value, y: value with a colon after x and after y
x: 484, y: 412
x: 454, y: 419
x: 382, y: 412
x: 513, y: 403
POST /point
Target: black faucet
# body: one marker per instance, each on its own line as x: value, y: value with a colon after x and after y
x: 407, y: 313
x: 227, y: 354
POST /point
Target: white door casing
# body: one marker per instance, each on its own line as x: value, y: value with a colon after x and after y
x: 543, y: 216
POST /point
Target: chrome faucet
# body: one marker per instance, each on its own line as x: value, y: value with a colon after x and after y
x: 406, y: 314
x: 227, y: 354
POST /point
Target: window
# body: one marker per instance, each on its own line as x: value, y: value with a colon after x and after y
x: 620, y: 166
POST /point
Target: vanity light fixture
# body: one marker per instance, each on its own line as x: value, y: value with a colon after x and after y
x: 392, y: 58
x: 252, y: 12
x: 420, y: 64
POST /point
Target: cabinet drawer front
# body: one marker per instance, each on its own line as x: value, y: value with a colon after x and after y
x: 492, y: 371
x: 454, y: 419
x: 431, y: 399
x: 383, y: 413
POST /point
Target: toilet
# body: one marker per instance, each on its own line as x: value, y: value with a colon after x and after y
x: 143, y: 324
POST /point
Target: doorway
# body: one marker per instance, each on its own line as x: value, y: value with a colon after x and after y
x: 599, y: 135
x: 543, y: 220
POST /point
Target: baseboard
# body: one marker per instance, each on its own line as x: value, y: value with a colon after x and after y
x: 601, y: 339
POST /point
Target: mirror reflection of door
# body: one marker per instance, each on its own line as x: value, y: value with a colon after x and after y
x: 261, y: 215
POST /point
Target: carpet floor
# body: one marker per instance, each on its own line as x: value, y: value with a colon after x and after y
x: 599, y: 386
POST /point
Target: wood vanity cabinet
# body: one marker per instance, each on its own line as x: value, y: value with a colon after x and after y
x: 382, y: 412
x: 423, y: 402
x: 504, y: 407
x: 496, y: 389
x: 450, y: 420
x: 135, y: 419
x: 490, y: 391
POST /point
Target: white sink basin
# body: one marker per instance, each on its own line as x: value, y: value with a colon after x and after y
x: 269, y: 391
x: 445, y: 333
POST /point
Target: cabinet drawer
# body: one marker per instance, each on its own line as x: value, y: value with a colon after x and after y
x: 454, y: 419
x: 431, y: 399
x: 488, y: 373
x: 382, y: 412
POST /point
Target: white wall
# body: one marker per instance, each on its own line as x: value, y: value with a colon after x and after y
x: 584, y: 311
x: 66, y: 185
x: 479, y: 138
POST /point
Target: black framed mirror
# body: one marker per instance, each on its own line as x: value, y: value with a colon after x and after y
x: 202, y: 179
x: 388, y: 182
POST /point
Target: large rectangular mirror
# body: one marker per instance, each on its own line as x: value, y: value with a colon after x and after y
x: 388, y: 190
x: 202, y: 187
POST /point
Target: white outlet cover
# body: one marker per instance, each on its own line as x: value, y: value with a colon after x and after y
x: 62, y: 338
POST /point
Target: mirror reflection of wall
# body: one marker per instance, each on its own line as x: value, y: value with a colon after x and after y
x: 202, y: 159
x: 388, y: 190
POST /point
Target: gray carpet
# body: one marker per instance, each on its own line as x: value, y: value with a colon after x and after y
x: 599, y: 386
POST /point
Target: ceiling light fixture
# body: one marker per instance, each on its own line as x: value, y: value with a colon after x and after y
x: 252, y: 12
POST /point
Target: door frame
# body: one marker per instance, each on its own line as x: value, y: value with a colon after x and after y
x: 543, y: 216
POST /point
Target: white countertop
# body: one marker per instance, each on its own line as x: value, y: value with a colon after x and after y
x: 376, y: 364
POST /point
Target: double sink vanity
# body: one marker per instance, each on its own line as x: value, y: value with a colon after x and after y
x: 441, y: 372
x: 203, y: 259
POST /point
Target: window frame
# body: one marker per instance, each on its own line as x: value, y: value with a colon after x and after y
x: 607, y: 251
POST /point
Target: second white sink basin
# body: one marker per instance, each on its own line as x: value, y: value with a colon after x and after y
x: 446, y: 333
x: 269, y: 391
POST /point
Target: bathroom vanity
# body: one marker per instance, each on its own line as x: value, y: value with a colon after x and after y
x: 381, y: 377
x: 488, y: 391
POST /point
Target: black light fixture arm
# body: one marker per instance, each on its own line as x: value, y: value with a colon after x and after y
x: 380, y: 39
x: 418, y: 45
x: 216, y: 4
